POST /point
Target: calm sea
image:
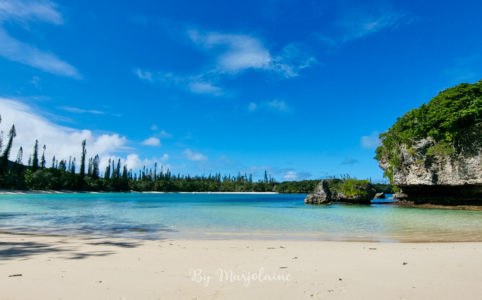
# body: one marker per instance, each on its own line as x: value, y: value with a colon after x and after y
x: 230, y: 216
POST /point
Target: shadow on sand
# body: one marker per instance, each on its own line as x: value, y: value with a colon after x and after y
x: 68, y: 249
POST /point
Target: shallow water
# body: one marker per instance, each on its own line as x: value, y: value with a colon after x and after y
x: 225, y: 216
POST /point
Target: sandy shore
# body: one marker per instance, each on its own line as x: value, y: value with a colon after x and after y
x: 46, y: 267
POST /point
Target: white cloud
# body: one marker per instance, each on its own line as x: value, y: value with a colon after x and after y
x: 359, y: 24
x: 21, y: 52
x: 272, y: 105
x: 81, y: 111
x: 362, y: 23
x: 64, y: 142
x: 134, y: 162
x: 60, y: 141
x: 30, y: 10
x: 144, y: 75
x: 193, y: 84
x: 205, y: 88
x: 164, y: 134
x: 236, y: 53
x: 292, y: 60
x: 239, y: 52
x: 152, y: 141
x: 290, y: 175
x: 278, y: 105
x: 371, y: 141
x: 189, y: 154
x: 232, y: 54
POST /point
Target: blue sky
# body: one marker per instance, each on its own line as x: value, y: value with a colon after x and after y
x: 299, y: 88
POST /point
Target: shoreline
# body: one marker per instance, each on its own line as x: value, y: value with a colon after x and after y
x: 253, y: 236
x: 398, y: 203
x: 50, y: 267
x: 48, y: 192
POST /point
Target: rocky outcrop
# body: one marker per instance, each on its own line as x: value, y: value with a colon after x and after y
x: 364, y: 194
x: 321, y: 195
x: 418, y: 168
x: 433, y: 153
x: 337, y: 190
x: 454, y: 179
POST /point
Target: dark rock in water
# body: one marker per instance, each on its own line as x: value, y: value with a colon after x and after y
x: 338, y: 190
x: 322, y: 194
x: 441, y: 194
x: 379, y: 195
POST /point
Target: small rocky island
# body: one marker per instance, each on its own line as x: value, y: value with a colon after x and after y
x: 433, y: 154
x: 342, y: 190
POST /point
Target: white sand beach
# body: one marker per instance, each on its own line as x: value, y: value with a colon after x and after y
x: 76, y: 267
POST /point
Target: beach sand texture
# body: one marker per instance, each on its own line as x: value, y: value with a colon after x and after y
x: 63, y: 267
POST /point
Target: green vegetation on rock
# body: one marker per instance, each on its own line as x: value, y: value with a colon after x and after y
x: 452, y: 120
x: 348, y: 190
x: 351, y: 188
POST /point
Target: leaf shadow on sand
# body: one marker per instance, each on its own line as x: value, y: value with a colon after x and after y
x: 62, y: 247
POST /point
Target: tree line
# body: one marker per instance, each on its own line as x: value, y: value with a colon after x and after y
x: 86, y: 175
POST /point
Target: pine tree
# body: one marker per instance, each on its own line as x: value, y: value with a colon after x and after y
x: 6, y: 153
x: 112, y: 169
x: 89, y: 168
x: 19, y: 156
x: 1, y: 135
x: 117, y: 169
x: 72, y: 166
x: 35, y: 157
x: 95, y: 167
x: 107, y: 170
x: 124, y: 172
x: 18, y: 166
x: 42, y: 160
x: 82, y: 160
x: 63, y: 165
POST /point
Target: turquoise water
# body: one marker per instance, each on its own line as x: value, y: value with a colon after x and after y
x: 230, y: 216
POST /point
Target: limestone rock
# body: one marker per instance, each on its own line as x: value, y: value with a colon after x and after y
x: 448, y: 180
x: 334, y: 190
x: 322, y: 194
